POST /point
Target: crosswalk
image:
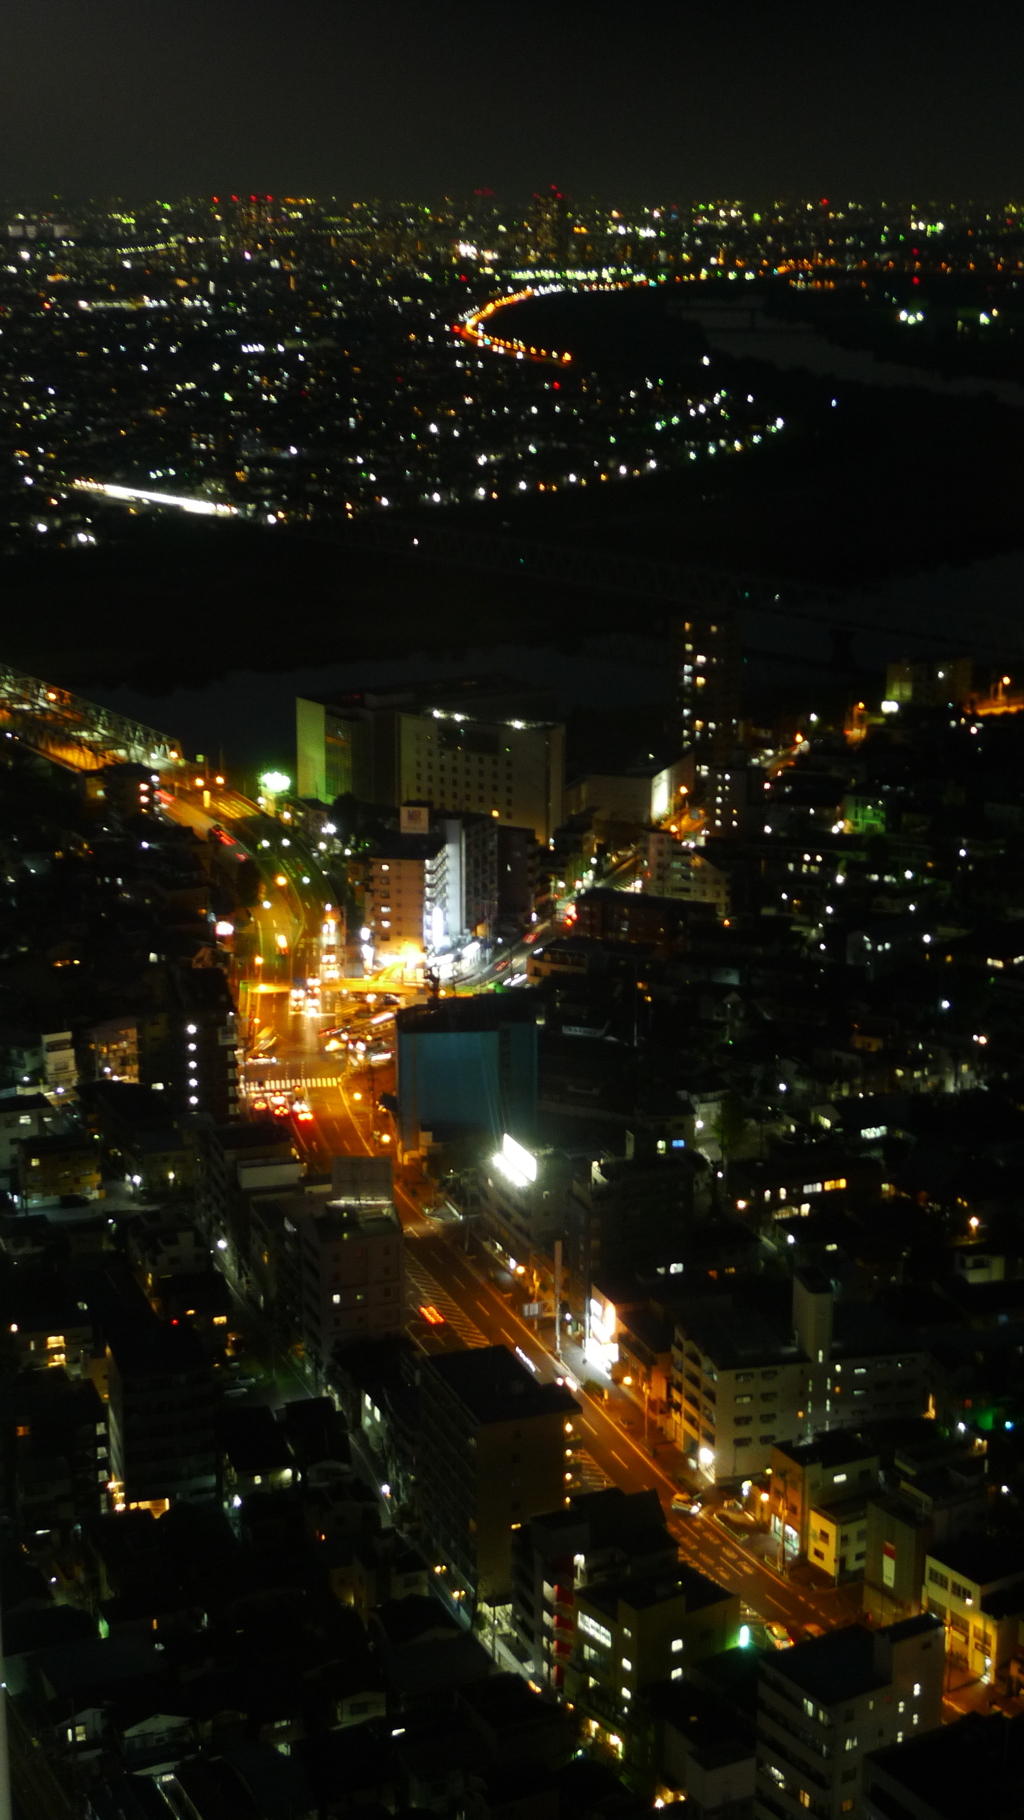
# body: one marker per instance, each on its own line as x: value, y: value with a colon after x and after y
x: 292, y: 1083
x: 426, y: 1291
x: 587, y: 1475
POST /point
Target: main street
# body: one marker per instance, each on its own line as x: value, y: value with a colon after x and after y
x: 443, y: 1275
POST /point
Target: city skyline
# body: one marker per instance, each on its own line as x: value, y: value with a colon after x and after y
x: 511, y: 901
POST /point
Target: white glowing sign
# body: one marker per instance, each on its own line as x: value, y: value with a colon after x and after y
x: 517, y: 1164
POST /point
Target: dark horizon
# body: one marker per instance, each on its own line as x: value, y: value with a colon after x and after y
x: 101, y: 98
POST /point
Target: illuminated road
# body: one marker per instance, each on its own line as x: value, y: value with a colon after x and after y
x: 347, y: 1119
x: 476, y: 1312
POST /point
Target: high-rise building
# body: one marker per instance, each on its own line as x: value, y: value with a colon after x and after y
x: 480, y: 758
x: 467, y: 1065
x: 55, y: 1465
x: 162, y: 1403
x: 352, y: 1258
x: 494, y: 1453
x: 629, y: 1214
x: 550, y: 228
x: 400, y: 892
x: 825, y: 1704
x: 707, y: 661
x: 522, y: 1197
x: 732, y: 791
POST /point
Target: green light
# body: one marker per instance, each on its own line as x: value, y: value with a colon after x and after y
x: 744, y: 1637
x: 275, y: 782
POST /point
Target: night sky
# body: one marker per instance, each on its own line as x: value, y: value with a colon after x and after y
x: 403, y: 98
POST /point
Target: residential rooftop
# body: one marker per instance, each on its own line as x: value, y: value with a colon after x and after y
x: 495, y: 1387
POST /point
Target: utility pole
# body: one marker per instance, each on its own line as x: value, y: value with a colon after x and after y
x: 558, y: 1298
x: 783, y: 1513
x: 6, y: 1808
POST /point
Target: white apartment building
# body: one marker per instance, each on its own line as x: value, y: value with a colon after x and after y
x: 751, y: 1367
x: 825, y: 1704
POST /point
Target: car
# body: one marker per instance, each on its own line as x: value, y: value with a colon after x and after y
x: 431, y: 1315
x: 814, y: 1630
x: 778, y: 1636
x: 686, y: 1506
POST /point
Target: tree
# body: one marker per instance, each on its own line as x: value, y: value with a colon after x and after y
x: 730, y: 1123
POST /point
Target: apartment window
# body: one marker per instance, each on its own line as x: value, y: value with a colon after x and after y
x: 850, y: 1743
x: 677, y: 1674
x: 937, y: 1578
x: 677, y: 1644
x: 803, y: 1797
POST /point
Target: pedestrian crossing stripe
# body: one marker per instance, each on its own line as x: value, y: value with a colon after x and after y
x: 428, y: 1290
x: 588, y: 1475
x: 292, y: 1086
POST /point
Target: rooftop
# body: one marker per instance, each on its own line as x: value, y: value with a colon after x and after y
x: 641, y: 1593
x: 467, y: 1014
x: 494, y: 1387
x: 836, y: 1448
x: 948, y: 1768
x: 838, y: 1666
x: 981, y: 1558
